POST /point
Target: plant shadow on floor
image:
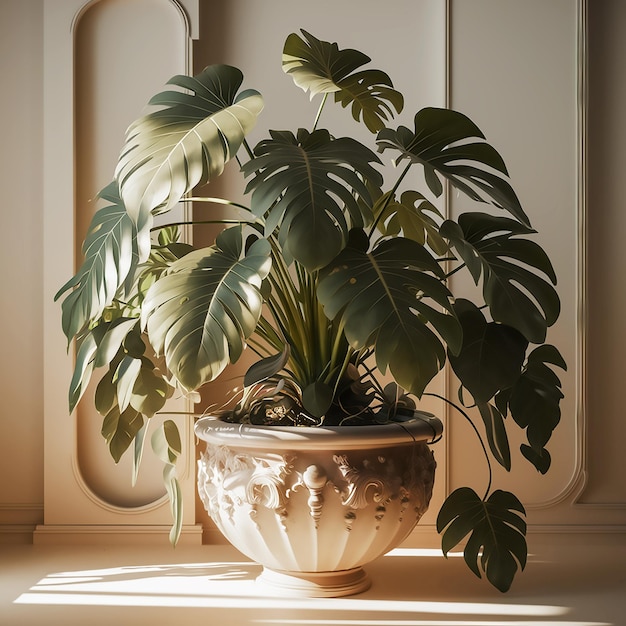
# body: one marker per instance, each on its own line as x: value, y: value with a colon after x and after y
x: 210, y: 571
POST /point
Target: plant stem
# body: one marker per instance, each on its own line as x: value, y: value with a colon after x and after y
x: 454, y: 271
x: 319, y: 112
x: 196, y: 222
x: 285, y: 302
x: 217, y: 201
x: 475, y: 429
x: 389, y: 198
x: 248, y: 149
x: 216, y: 221
x: 346, y: 361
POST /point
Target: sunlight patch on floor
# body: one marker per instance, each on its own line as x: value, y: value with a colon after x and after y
x: 421, y: 552
x: 231, y: 585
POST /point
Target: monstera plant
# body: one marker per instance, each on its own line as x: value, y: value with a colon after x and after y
x: 333, y: 270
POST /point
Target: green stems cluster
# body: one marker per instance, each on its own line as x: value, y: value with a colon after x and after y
x: 318, y: 351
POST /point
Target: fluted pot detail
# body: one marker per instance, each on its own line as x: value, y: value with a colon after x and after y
x: 313, y: 505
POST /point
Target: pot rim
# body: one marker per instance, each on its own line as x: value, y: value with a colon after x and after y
x: 423, y: 427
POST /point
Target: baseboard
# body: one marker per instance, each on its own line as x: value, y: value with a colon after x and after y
x: 18, y: 521
x: 576, y: 529
x: 16, y: 534
x: 426, y: 535
x: 211, y: 536
x: 423, y: 536
x: 118, y: 534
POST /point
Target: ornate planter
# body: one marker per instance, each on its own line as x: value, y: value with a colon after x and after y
x: 312, y: 505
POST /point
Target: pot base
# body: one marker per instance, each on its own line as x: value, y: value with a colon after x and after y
x: 315, y: 584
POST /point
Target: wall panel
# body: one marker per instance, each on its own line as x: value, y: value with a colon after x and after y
x: 514, y: 70
x: 542, y: 80
x: 607, y: 255
x: 103, y: 59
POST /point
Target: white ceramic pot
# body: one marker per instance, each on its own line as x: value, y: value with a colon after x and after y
x: 312, y: 505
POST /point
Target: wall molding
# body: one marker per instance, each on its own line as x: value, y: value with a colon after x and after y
x: 426, y: 535
x: 119, y: 534
x: 561, y: 487
x: 576, y: 529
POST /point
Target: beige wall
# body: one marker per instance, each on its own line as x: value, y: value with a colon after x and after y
x: 512, y: 66
x: 21, y: 260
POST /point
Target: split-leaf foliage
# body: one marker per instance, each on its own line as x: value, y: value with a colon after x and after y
x: 331, y: 269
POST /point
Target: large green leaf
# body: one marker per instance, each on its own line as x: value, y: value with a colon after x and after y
x: 120, y: 428
x: 490, y: 359
x: 97, y: 347
x: 512, y: 269
x: 412, y: 216
x: 380, y: 296
x: 317, y: 398
x: 132, y: 389
x: 444, y: 142
x: 321, y: 67
x: 201, y: 311
x: 150, y: 390
x: 110, y: 257
x: 132, y: 381
x: 166, y: 444
x: 534, y: 403
x: 494, y: 527
x: 116, y: 333
x: 186, y: 142
x: 497, y: 437
x: 83, y: 367
x: 159, y: 260
x: 124, y: 379
x: 491, y: 356
x: 310, y: 186
x: 138, y: 446
x: 267, y: 367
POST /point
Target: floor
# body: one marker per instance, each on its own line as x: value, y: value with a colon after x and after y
x: 569, y: 581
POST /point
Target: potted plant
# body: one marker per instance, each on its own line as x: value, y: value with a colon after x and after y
x: 333, y: 271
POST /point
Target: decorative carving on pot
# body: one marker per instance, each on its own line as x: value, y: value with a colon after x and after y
x: 227, y: 478
x: 370, y: 483
x: 314, y: 479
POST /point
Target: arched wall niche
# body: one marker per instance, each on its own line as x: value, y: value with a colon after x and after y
x: 518, y: 92
x: 112, y: 84
x: 103, y: 60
